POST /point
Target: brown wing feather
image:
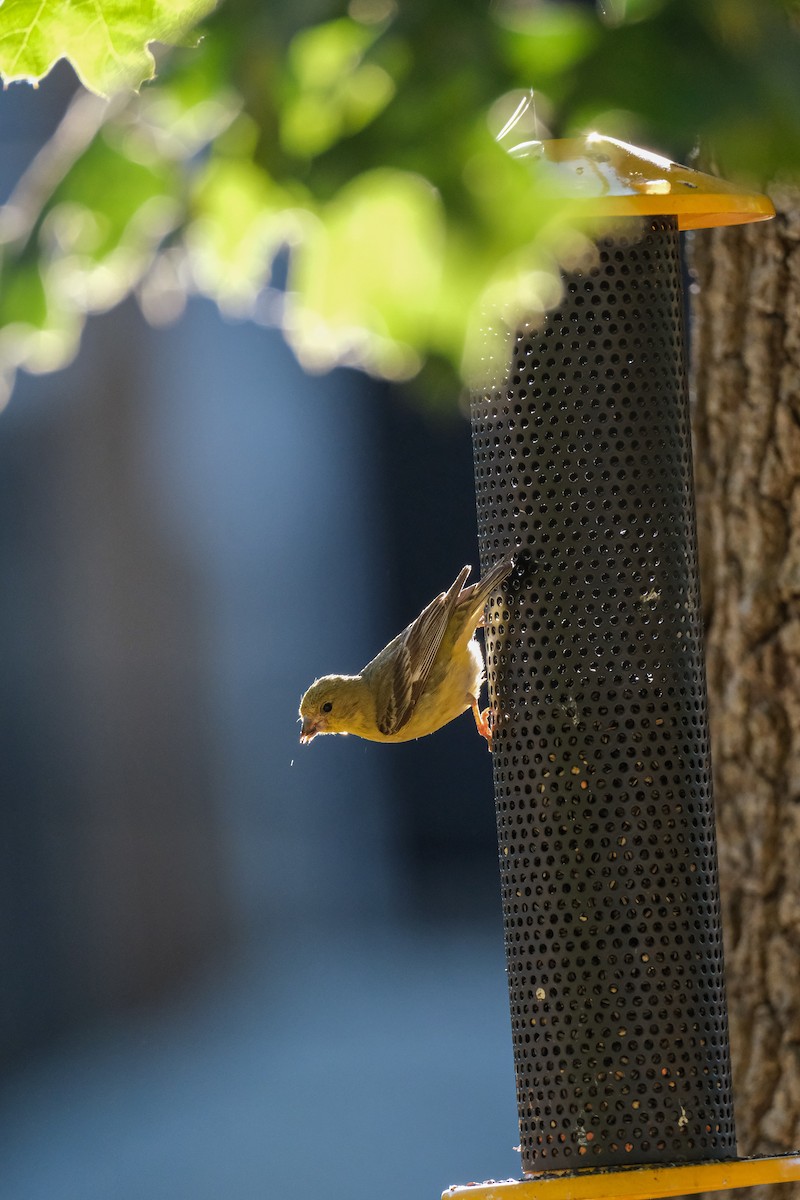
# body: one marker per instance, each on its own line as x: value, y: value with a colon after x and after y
x: 413, y: 653
x: 395, y: 697
x: 401, y: 670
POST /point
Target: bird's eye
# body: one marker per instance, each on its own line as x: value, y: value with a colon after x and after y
x: 327, y: 706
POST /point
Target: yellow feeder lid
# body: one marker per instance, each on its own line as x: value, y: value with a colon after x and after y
x: 637, y: 1183
x: 618, y: 180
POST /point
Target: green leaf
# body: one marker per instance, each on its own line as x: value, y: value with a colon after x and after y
x: 549, y: 40
x: 106, y: 41
x: 365, y: 278
x: 103, y: 228
x: 22, y: 297
x: 240, y: 219
x: 332, y: 91
x: 36, y: 333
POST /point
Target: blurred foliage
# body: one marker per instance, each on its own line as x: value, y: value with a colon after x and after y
x: 343, y: 170
x: 106, y: 43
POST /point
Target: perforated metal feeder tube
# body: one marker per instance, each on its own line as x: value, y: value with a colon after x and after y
x: 596, y: 675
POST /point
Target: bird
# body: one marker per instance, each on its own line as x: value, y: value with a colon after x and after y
x: 423, y: 679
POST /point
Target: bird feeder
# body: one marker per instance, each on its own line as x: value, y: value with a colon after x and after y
x: 595, y: 664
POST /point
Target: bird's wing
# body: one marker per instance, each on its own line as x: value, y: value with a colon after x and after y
x: 473, y: 599
x: 401, y: 670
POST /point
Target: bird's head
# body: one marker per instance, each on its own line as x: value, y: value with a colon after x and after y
x: 331, y: 705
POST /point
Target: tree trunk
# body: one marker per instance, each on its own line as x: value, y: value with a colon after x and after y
x: 746, y: 356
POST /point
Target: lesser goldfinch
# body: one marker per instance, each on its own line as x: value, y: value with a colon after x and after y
x: 428, y: 675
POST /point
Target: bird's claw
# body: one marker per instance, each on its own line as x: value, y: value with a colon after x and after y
x: 483, y: 722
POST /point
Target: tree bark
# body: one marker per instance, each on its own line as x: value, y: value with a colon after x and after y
x: 746, y: 360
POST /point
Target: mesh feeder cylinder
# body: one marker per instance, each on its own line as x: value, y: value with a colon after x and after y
x: 596, y: 675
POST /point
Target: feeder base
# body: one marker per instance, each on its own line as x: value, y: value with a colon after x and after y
x: 637, y: 1183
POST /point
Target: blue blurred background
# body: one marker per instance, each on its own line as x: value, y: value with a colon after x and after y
x: 230, y: 965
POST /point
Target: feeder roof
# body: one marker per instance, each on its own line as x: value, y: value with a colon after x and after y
x: 619, y: 180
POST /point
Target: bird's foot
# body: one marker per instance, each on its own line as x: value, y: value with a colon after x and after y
x: 483, y: 722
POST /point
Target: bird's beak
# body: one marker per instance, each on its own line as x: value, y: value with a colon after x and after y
x: 308, y: 731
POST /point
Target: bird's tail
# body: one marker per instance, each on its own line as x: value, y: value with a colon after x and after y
x: 473, y: 599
